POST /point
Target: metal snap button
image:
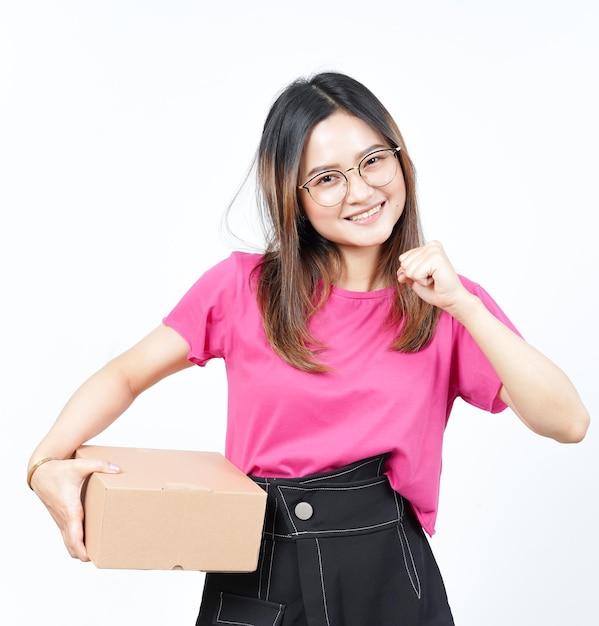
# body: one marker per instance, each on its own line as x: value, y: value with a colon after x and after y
x: 304, y: 510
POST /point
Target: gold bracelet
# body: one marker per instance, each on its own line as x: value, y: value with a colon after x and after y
x: 32, y: 470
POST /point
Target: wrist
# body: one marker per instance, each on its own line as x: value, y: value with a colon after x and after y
x: 466, y: 308
x: 35, y: 467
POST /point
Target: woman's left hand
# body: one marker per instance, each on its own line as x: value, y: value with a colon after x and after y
x: 429, y: 272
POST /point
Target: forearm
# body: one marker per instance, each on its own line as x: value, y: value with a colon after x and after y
x: 91, y: 409
x: 535, y: 388
x: 104, y: 396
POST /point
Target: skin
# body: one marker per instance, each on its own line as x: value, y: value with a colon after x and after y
x: 538, y: 392
x: 340, y: 142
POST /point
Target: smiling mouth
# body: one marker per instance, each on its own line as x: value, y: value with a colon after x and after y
x: 365, y: 215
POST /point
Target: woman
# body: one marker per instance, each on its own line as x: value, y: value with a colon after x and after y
x: 346, y: 345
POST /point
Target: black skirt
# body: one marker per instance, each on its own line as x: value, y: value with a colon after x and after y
x: 340, y: 548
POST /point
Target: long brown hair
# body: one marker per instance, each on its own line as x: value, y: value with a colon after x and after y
x: 299, y: 265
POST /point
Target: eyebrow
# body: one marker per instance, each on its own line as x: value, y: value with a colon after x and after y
x: 361, y: 155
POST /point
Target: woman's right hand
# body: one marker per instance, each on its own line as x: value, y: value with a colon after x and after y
x: 91, y: 409
x: 58, y: 484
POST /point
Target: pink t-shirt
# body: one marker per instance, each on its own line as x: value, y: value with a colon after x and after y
x: 283, y: 422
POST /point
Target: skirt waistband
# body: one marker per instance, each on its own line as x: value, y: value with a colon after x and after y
x: 356, y: 498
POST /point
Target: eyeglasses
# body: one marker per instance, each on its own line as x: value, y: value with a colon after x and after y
x: 330, y: 187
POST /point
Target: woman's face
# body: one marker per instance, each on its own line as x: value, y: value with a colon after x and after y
x: 367, y: 215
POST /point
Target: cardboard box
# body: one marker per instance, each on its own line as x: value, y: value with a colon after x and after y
x: 172, y: 509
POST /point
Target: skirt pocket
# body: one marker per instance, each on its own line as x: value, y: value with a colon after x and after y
x: 243, y: 611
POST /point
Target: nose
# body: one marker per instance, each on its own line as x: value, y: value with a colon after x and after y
x: 357, y: 188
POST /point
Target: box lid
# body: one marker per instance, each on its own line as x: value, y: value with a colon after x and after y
x: 153, y: 468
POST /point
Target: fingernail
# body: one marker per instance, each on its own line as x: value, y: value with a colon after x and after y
x: 114, y: 468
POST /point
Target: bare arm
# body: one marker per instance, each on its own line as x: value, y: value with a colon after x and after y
x: 93, y: 407
x: 534, y: 387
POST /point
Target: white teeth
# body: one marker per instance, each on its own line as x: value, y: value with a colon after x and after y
x: 366, y: 214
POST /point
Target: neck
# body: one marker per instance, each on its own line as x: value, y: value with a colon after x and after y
x: 359, y: 271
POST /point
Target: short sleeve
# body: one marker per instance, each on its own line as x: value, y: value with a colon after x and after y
x: 472, y: 376
x: 200, y: 317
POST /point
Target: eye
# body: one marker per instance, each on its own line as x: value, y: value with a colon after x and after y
x: 374, y: 160
x: 327, y: 179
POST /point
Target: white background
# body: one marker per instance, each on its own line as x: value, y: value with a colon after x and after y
x: 125, y: 129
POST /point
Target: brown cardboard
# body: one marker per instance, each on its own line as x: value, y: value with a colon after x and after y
x: 171, y: 509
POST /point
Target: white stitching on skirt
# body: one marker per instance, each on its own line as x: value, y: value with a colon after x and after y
x: 324, y: 595
x: 380, y: 482
x: 341, y: 530
x: 336, y: 474
x: 263, y: 554
x: 335, y: 530
x: 278, y: 614
x: 272, y: 552
x: 222, y: 621
x: 287, y: 509
x: 400, y: 509
x: 416, y: 586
